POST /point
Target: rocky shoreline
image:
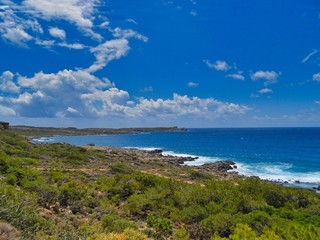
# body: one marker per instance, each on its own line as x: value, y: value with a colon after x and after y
x: 219, y: 169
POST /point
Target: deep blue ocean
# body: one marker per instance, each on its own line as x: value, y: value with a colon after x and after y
x: 284, y: 154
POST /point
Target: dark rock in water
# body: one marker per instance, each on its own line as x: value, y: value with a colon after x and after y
x: 297, y: 181
x: 4, y: 125
x: 318, y: 188
x: 156, y: 151
x: 91, y: 144
x: 181, y: 160
x: 220, y: 166
x: 255, y: 177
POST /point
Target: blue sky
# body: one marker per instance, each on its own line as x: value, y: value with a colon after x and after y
x: 190, y: 63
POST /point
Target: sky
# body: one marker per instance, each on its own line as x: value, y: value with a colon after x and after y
x: 144, y: 63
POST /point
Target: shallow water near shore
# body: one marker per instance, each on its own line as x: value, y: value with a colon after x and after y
x: 287, y: 155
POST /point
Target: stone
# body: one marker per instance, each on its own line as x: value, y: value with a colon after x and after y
x: 4, y: 125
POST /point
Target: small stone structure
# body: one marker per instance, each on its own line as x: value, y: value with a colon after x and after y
x: 4, y: 125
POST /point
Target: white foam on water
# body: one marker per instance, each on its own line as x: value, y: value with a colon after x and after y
x: 277, y: 172
x: 197, y: 162
x: 43, y: 140
x: 145, y: 148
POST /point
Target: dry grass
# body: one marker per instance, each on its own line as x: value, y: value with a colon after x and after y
x: 8, y: 232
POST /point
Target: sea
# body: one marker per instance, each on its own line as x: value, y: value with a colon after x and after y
x: 288, y: 156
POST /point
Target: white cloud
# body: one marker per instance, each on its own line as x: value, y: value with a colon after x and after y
x: 46, y: 95
x: 70, y: 93
x: 15, y: 29
x: 67, y: 79
x: 268, y: 76
x: 72, y: 110
x: 147, y: 89
x: 57, y: 33
x: 107, y: 52
x: 76, y: 46
x: 78, y: 12
x: 219, y: 65
x: 128, y: 33
x: 45, y: 43
x: 309, y: 56
x: 193, y: 13
x: 265, y: 90
x: 104, y: 25
x: 6, y: 111
x: 17, y: 36
x: 6, y: 83
x: 236, y: 76
x: 317, y: 102
x: 193, y: 84
x: 316, y: 77
x: 111, y: 102
x: 130, y: 20
x: 183, y: 105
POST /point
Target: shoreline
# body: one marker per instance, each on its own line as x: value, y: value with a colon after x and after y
x: 234, y: 170
x: 230, y: 168
x: 219, y: 169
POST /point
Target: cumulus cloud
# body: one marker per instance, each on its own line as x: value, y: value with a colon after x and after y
x: 184, y: 105
x: 236, y: 76
x: 269, y: 77
x: 7, y: 84
x: 57, y: 33
x: 111, y: 102
x: 316, y: 77
x: 193, y: 84
x: 219, y: 65
x: 70, y: 93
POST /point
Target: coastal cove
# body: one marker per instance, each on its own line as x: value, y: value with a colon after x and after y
x: 62, y: 191
x: 289, y: 156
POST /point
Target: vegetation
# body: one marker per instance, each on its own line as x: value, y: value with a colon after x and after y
x: 59, y: 191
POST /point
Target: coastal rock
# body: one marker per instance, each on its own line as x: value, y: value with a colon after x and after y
x: 220, y: 166
x: 4, y: 125
x: 179, y: 160
x: 156, y: 151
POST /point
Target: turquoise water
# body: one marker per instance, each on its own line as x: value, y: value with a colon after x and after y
x: 284, y: 154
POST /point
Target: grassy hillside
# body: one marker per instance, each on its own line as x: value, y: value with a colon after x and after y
x: 64, y: 192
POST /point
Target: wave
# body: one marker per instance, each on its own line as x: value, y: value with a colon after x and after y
x: 279, y: 172
x: 43, y: 140
x: 276, y: 172
x: 197, y: 162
